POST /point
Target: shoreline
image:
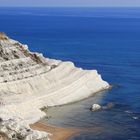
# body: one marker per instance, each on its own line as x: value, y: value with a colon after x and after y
x: 58, y: 133
x: 64, y: 133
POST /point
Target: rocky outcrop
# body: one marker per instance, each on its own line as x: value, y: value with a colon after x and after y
x: 29, y: 81
x: 17, y: 129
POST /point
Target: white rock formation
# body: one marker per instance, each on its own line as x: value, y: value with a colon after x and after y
x: 16, y: 129
x: 29, y: 81
x: 95, y: 107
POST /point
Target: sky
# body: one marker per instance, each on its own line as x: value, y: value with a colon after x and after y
x: 70, y: 3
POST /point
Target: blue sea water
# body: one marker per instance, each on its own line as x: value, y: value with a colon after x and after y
x: 106, y: 39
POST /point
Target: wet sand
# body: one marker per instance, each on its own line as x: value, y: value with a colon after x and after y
x: 58, y: 133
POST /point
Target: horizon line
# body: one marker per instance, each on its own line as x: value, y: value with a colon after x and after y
x: 69, y: 6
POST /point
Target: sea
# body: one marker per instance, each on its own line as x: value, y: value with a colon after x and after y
x: 105, y: 39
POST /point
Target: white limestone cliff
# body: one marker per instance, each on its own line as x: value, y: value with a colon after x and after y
x: 14, y: 128
x: 29, y: 81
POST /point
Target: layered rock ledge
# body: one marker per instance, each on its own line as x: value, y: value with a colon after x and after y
x: 29, y: 81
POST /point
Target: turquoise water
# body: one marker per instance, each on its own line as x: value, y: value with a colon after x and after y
x: 106, y: 39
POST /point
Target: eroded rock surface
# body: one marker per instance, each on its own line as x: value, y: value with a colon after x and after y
x: 29, y: 81
x: 17, y: 129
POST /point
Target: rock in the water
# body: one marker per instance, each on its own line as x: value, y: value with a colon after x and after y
x: 95, y: 107
x: 110, y: 105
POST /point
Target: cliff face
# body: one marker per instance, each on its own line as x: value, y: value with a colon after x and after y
x: 29, y: 81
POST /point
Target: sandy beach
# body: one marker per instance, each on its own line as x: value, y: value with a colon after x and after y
x: 58, y: 133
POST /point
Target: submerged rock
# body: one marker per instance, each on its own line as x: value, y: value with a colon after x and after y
x: 110, y: 105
